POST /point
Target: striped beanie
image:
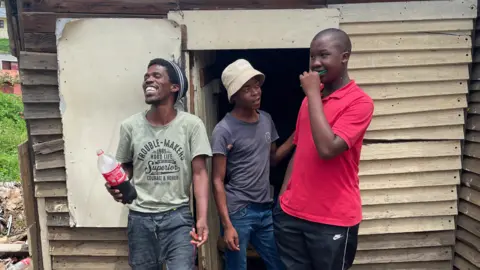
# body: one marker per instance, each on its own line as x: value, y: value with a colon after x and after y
x: 176, y: 74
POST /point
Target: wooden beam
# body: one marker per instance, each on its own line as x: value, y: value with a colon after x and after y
x: 41, y: 111
x: 40, y: 94
x: 45, y: 126
x: 13, y: 248
x: 48, y: 147
x: 42, y: 61
x: 40, y: 42
x: 30, y: 205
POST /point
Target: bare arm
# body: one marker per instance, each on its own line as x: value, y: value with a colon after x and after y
x: 288, y: 174
x: 200, y: 186
x: 128, y: 168
x: 219, y: 168
x: 278, y: 154
x: 328, y: 145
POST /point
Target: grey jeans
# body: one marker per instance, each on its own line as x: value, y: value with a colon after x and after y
x: 155, y: 239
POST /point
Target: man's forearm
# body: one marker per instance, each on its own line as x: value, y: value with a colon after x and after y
x: 221, y: 202
x: 283, y: 150
x: 128, y: 168
x: 322, y: 133
x: 200, y: 189
x: 288, y: 174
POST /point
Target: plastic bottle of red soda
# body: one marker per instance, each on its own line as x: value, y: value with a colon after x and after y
x: 116, y: 177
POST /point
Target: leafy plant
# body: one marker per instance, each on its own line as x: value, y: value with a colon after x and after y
x: 13, y: 132
x: 7, y: 79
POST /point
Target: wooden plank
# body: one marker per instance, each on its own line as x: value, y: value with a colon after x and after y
x: 40, y: 94
x: 409, y: 180
x: 419, y: 104
x: 41, y: 61
x: 407, y: 26
x: 454, y: 132
x: 410, y: 74
x: 470, y: 195
x: 90, y: 262
x: 409, y: 42
x: 469, y: 209
x: 472, y: 149
x: 41, y: 110
x: 406, y: 240
x: 44, y: 22
x: 474, y: 97
x: 379, y: 151
x: 468, y: 253
x: 471, y: 165
x: 56, y: 205
x: 48, y: 147
x: 415, y: 120
x: 45, y: 138
x: 473, y: 108
x: 413, y: 165
x: 469, y: 224
x: 404, y: 255
x: 463, y: 264
x: 406, y: 225
x: 40, y: 42
x: 468, y: 238
x: 50, y: 161
x: 38, y: 77
x: 51, y: 175
x: 83, y: 248
x: 437, y: 265
x: 408, y: 58
x: 30, y: 204
x: 45, y: 126
x: 473, y: 136
x: 407, y: 210
x: 416, y: 10
x: 42, y: 217
x: 87, y: 234
x: 471, y: 180
x: 408, y: 195
x: 473, y: 122
x: 50, y: 189
x: 415, y: 89
x: 58, y: 220
x: 13, y: 248
x: 474, y: 86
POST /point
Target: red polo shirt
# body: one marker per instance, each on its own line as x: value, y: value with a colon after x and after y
x: 327, y: 191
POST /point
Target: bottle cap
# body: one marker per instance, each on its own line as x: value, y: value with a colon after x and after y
x: 99, y: 152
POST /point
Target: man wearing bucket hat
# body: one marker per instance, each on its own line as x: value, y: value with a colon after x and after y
x: 243, y: 145
x: 163, y: 151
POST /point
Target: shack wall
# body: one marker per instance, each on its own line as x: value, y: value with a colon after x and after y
x: 467, y: 246
x: 408, y: 188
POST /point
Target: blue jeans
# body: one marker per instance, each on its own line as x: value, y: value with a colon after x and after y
x: 254, y: 224
x: 155, y: 239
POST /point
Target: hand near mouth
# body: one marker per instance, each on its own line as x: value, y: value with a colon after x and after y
x: 310, y: 82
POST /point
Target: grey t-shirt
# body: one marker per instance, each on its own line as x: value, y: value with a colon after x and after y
x: 248, y: 161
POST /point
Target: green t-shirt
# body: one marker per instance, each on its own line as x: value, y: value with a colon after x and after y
x: 162, y: 159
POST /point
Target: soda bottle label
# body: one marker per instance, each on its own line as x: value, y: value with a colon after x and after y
x: 116, y: 176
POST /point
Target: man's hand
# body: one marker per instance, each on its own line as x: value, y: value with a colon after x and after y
x: 114, y: 192
x: 231, y: 239
x: 310, y: 82
x: 198, y: 239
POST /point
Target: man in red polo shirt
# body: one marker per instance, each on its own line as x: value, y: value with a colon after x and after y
x: 319, y: 211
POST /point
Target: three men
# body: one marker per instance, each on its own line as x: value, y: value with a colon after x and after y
x: 163, y: 150
x: 316, y: 223
x: 316, y: 220
x: 244, y: 147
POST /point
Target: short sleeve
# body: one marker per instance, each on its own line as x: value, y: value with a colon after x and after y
x: 220, y: 140
x: 199, y: 143
x: 273, y: 132
x: 125, y: 148
x: 354, y: 121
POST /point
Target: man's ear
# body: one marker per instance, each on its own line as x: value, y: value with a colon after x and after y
x: 345, y: 57
x: 174, y: 88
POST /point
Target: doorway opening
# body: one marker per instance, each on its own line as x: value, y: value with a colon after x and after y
x: 281, y: 98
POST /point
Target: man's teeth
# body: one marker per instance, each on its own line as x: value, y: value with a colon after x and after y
x: 150, y: 89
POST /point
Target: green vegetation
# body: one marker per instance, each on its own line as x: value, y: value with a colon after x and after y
x: 4, y: 45
x: 13, y: 132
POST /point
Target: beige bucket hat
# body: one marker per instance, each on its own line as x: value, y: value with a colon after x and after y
x: 235, y: 75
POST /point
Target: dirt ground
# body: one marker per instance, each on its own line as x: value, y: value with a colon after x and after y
x: 11, y: 204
